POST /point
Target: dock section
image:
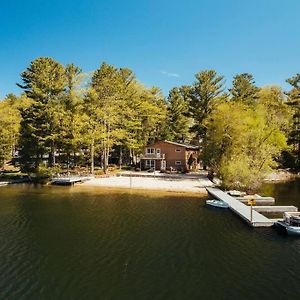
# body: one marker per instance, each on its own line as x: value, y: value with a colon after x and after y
x: 71, y: 180
x: 275, y: 209
x: 259, y: 199
x: 242, y: 210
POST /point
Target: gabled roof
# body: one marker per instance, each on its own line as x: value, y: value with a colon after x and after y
x: 177, y: 144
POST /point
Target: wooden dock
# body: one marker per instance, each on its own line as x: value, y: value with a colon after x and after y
x: 242, y: 210
x: 70, y: 180
x: 259, y: 199
x: 275, y: 209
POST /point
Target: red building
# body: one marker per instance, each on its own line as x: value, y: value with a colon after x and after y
x: 166, y: 155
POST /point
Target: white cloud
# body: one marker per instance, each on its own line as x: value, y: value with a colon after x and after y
x: 170, y: 74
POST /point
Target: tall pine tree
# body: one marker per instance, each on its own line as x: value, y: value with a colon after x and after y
x: 294, y: 103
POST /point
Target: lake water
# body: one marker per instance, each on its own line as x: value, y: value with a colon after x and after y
x: 90, y: 243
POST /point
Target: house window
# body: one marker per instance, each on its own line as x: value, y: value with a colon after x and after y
x: 150, y: 150
x: 177, y: 150
x: 178, y: 162
x: 150, y: 163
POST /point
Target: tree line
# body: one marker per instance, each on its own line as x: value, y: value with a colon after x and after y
x: 67, y: 118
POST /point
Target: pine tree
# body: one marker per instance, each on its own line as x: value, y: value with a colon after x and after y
x: 244, y: 89
x: 178, y: 121
x: 294, y: 103
x: 204, y: 94
x: 44, y: 82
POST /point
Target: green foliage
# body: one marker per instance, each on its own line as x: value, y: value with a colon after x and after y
x: 294, y: 103
x: 120, y: 111
x: 44, y: 172
x: 204, y: 94
x: 243, y: 140
x: 242, y: 134
x: 9, y: 125
x: 178, y: 121
x: 44, y: 82
x: 244, y: 89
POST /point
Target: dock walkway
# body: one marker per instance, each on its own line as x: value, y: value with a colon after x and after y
x: 70, y: 180
x: 242, y: 210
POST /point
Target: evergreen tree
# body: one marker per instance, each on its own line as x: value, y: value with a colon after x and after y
x: 294, y: 103
x: 70, y: 112
x: 178, y: 121
x: 204, y: 94
x: 244, y: 89
x: 102, y: 105
x: 44, y: 82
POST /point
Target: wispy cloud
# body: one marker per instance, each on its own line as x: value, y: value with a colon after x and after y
x: 169, y: 74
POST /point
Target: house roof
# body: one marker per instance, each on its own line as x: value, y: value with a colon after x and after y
x: 178, y: 144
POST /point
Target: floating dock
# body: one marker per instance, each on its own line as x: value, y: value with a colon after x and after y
x: 242, y: 210
x: 70, y: 180
x: 259, y: 199
x: 275, y: 209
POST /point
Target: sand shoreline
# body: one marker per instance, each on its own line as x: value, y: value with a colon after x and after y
x: 183, y: 184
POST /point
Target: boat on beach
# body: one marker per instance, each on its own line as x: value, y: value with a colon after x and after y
x: 217, y: 203
x: 290, y: 223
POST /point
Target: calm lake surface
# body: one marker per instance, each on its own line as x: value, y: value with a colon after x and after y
x: 90, y: 243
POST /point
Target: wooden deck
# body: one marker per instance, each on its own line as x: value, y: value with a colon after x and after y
x: 242, y: 210
x: 275, y: 209
x: 259, y: 199
x: 70, y: 180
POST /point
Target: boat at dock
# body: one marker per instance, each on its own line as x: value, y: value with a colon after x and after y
x: 236, y: 193
x: 290, y: 223
x: 217, y: 203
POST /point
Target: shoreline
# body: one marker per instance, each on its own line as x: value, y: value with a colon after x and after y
x: 281, y: 175
x: 182, y: 185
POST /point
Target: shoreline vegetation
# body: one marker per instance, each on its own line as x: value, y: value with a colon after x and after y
x: 66, y: 121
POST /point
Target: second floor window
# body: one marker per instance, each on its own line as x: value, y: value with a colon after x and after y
x: 150, y: 151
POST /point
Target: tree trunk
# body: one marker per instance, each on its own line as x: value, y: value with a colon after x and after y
x: 130, y: 156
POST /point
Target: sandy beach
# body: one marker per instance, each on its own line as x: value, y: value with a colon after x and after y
x: 173, y: 184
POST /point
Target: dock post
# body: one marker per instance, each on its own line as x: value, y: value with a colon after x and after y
x: 251, y: 202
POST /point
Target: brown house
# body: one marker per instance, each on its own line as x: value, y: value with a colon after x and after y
x: 165, y: 155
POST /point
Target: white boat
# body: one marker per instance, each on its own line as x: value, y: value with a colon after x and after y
x: 236, y: 193
x: 291, y: 223
x: 217, y: 203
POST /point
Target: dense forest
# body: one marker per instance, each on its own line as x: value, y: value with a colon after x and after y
x: 66, y: 119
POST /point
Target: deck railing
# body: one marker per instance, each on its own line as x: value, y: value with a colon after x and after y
x: 154, y: 155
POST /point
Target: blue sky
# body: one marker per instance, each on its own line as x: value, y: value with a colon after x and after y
x: 164, y: 42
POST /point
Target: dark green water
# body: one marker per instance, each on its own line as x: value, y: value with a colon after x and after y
x: 84, y: 243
